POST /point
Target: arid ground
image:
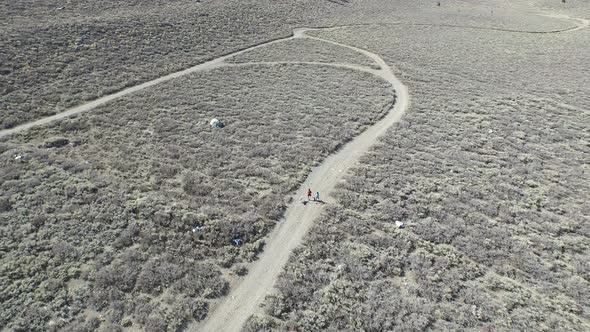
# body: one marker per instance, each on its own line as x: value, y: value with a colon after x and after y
x: 122, y: 209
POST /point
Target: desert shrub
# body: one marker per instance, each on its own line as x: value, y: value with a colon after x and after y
x: 170, y: 313
x: 304, y: 50
x: 143, y: 307
x: 57, y: 142
x: 182, y: 311
x: 88, y: 325
x: 256, y: 323
x: 5, y: 205
x: 122, y: 274
x: 479, y: 171
x: 33, y: 318
x: 100, y: 298
x: 122, y: 51
x: 116, y: 312
x: 274, y: 305
x: 197, y: 308
x: 156, y: 275
x: 110, y: 327
x: 156, y: 323
x: 196, y: 185
x: 239, y: 270
x: 64, y: 251
x: 201, y: 280
x: 127, y: 237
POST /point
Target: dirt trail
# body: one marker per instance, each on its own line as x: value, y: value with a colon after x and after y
x: 242, y: 302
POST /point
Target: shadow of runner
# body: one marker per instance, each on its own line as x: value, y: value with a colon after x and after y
x: 313, y: 201
x: 340, y: 2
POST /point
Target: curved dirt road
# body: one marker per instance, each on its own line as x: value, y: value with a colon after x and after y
x: 235, y: 309
x: 220, y: 62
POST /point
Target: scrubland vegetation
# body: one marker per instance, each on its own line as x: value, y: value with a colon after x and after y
x: 488, y: 170
x: 58, y: 55
x: 77, y: 51
x: 304, y: 50
x: 99, y: 215
x: 123, y: 217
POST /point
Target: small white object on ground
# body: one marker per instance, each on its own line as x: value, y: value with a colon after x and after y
x: 198, y: 228
x: 399, y: 224
x: 215, y: 123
